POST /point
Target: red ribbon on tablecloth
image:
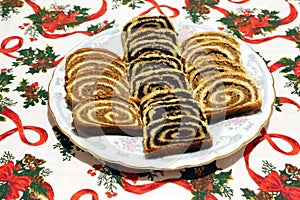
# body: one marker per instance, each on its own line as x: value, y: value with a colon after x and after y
x: 275, y: 66
x: 141, y: 189
x: 289, y: 101
x: 20, y: 128
x: 7, y: 50
x: 82, y: 192
x: 272, y: 182
x: 221, y: 10
x: 158, y: 7
x: 238, y: 2
x: 50, y: 192
x: 261, y: 40
x: 291, y: 17
x: 36, y: 8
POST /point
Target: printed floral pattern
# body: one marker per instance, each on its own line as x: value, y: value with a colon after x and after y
x: 247, y: 22
x: 24, y: 178
x: 199, y: 9
x: 6, y: 78
x: 276, y: 185
x: 38, y: 60
x: 57, y: 17
x: 9, y: 7
x: 30, y: 51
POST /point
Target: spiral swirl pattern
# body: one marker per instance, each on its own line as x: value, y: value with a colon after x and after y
x: 163, y: 38
x: 107, y: 115
x: 94, y: 83
x: 172, y: 119
x: 205, y: 44
x: 142, y: 22
x: 228, y: 94
x: 149, y: 81
x: 87, y: 59
x: 210, y: 66
x: 152, y: 62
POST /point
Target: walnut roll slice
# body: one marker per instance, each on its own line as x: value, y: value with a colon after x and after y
x: 107, y: 115
x: 87, y: 59
x: 231, y: 94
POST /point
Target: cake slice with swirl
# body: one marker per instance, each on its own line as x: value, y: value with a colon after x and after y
x: 146, y: 21
x: 209, y: 66
x: 87, y: 59
x: 161, y: 45
x: 151, y: 40
x: 149, y: 81
x: 219, y: 81
x: 93, y: 71
x: 151, y: 62
x: 94, y: 83
x: 173, y: 123
x: 148, y: 34
x: 228, y: 94
x: 203, y: 44
x: 107, y: 115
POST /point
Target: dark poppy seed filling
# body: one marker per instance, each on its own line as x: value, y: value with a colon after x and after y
x: 152, y: 62
x: 148, y: 81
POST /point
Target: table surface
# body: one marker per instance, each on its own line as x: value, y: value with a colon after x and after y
x: 38, y: 161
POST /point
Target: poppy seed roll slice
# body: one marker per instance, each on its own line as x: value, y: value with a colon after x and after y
x: 149, y: 81
x: 152, y: 62
x: 141, y: 22
x: 174, y: 123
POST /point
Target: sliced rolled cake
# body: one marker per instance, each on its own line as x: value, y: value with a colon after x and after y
x: 148, y: 46
x: 151, y: 35
x: 152, y: 62
x: 149, y: 81
x: 94, y: 83
x: 173, y: 124
x: 93, y: 71
x: 201, y: 37
x: 107, y: 115
x: 210, y: 66
x: 146, y: 21
x: 192, y: 54
x: 204, y: 44
x: 87, y: 59
x: 148, y: 34
x: 229, y: 94
x: 175, y: 100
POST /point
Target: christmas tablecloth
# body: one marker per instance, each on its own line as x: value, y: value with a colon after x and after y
x: 37, y: 161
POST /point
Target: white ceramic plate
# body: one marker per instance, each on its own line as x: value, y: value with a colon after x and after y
x: 228, y: 136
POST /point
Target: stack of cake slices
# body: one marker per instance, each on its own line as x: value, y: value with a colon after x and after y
x: 97, y: 92
x: 148, y: 34
x: 160, y: 90
x: 173, y: 122
x: 220, y: 83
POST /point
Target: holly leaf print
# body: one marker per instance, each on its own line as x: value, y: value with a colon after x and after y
x: 38, y: 60
x: 249, y: 194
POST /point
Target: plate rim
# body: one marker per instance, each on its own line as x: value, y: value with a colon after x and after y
x: 240, y: 146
